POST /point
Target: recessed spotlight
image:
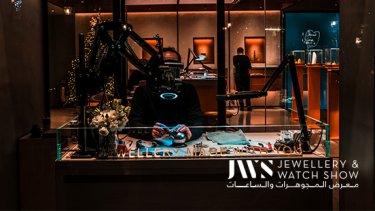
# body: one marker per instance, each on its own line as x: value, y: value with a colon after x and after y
x: 358, y: 40
x: 68, y: 10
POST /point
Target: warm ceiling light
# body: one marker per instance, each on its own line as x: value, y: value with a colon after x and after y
x: 273, y: 29
x: 148, y: 2
x: 203, y: 1
x: 68, y: 10
x: 153, y: 2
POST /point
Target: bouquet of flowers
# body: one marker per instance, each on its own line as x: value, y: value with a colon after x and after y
x: 110, y: 117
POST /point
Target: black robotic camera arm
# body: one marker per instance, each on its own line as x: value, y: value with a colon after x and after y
x: 121, y: 48
x: 105, y: 53
x: 289, y: 60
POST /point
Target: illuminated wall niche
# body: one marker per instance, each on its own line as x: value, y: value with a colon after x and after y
x: 152, y: 42
x: 204, y: 46
x: 254, y: 48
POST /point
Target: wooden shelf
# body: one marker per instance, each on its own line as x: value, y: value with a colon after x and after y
x: 313, y: 88
x: 333, y: 100
x: 300, y: 68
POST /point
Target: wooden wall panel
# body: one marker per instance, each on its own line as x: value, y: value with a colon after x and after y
x: 21, y: 88
x: 357, y: 98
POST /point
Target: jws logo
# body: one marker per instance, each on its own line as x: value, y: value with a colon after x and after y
x: 254, y: 168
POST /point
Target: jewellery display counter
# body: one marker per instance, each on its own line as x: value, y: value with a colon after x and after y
x: 314, y: 91
x: 227, y: 168
x: 322, y: 79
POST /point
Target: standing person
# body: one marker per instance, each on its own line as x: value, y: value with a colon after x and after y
x: 242, y: 66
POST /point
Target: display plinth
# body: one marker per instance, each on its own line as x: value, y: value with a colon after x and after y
x: 333, y: 93
x: 300, y: 71
x: 313, y: 88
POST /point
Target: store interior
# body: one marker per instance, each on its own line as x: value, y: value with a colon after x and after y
x: 267, y: 30
x: 267, y: 34
x: 335, y: 101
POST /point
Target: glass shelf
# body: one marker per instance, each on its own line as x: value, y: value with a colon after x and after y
x: 299, y: 56
x: 331, y: 56
x: 315, y: 56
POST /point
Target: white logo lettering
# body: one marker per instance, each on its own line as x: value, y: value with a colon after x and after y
x: 263, y: 167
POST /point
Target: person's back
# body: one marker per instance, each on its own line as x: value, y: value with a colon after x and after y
x: 242, y: 66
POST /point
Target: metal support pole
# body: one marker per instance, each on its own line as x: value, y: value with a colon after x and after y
x: 220, y: 12
x: 229, y: 55
x: 46, y: 74
x: 178, y: 26
x: 82, y: 95
x: 301, y: 114
x: 120, y: 75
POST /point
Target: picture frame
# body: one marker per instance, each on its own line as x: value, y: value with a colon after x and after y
x: 255, y: 48
x: 204, y: 46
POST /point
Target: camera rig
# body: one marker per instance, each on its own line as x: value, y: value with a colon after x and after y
x: 106, y: 52
x: 109, y: 47
x: 304, y: 137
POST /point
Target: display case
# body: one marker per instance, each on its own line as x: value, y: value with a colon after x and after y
x: 215, y: 142
x: 331, y: 56
x: 315, y: 56
x: 299, y: 56
x: 198, y: 170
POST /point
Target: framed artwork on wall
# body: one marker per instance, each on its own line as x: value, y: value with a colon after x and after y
x: 255, y: 49
x: 204, y: 46
x: 152, y: 42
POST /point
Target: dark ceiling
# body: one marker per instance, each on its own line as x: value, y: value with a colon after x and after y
x: 84, y: 6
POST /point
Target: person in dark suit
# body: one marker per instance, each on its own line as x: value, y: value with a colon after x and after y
x: 149, y: 109
x: 242, y: 66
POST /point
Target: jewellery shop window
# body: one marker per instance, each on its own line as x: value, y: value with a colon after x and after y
x: 143, y: 83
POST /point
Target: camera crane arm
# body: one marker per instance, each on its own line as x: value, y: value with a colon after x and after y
x: 102, y: 60
x: 121, y: 46
x: 91, y: 78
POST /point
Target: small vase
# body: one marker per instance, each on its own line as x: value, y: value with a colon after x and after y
x: 107, y: 145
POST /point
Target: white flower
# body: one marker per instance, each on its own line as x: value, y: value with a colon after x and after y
x: 123, y: 122
x: 100, y: 119
x: 113, y: 126
x: 112, y: 115
x: 97, y: 120
x: 110, y: 119
x: 103, y: 131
